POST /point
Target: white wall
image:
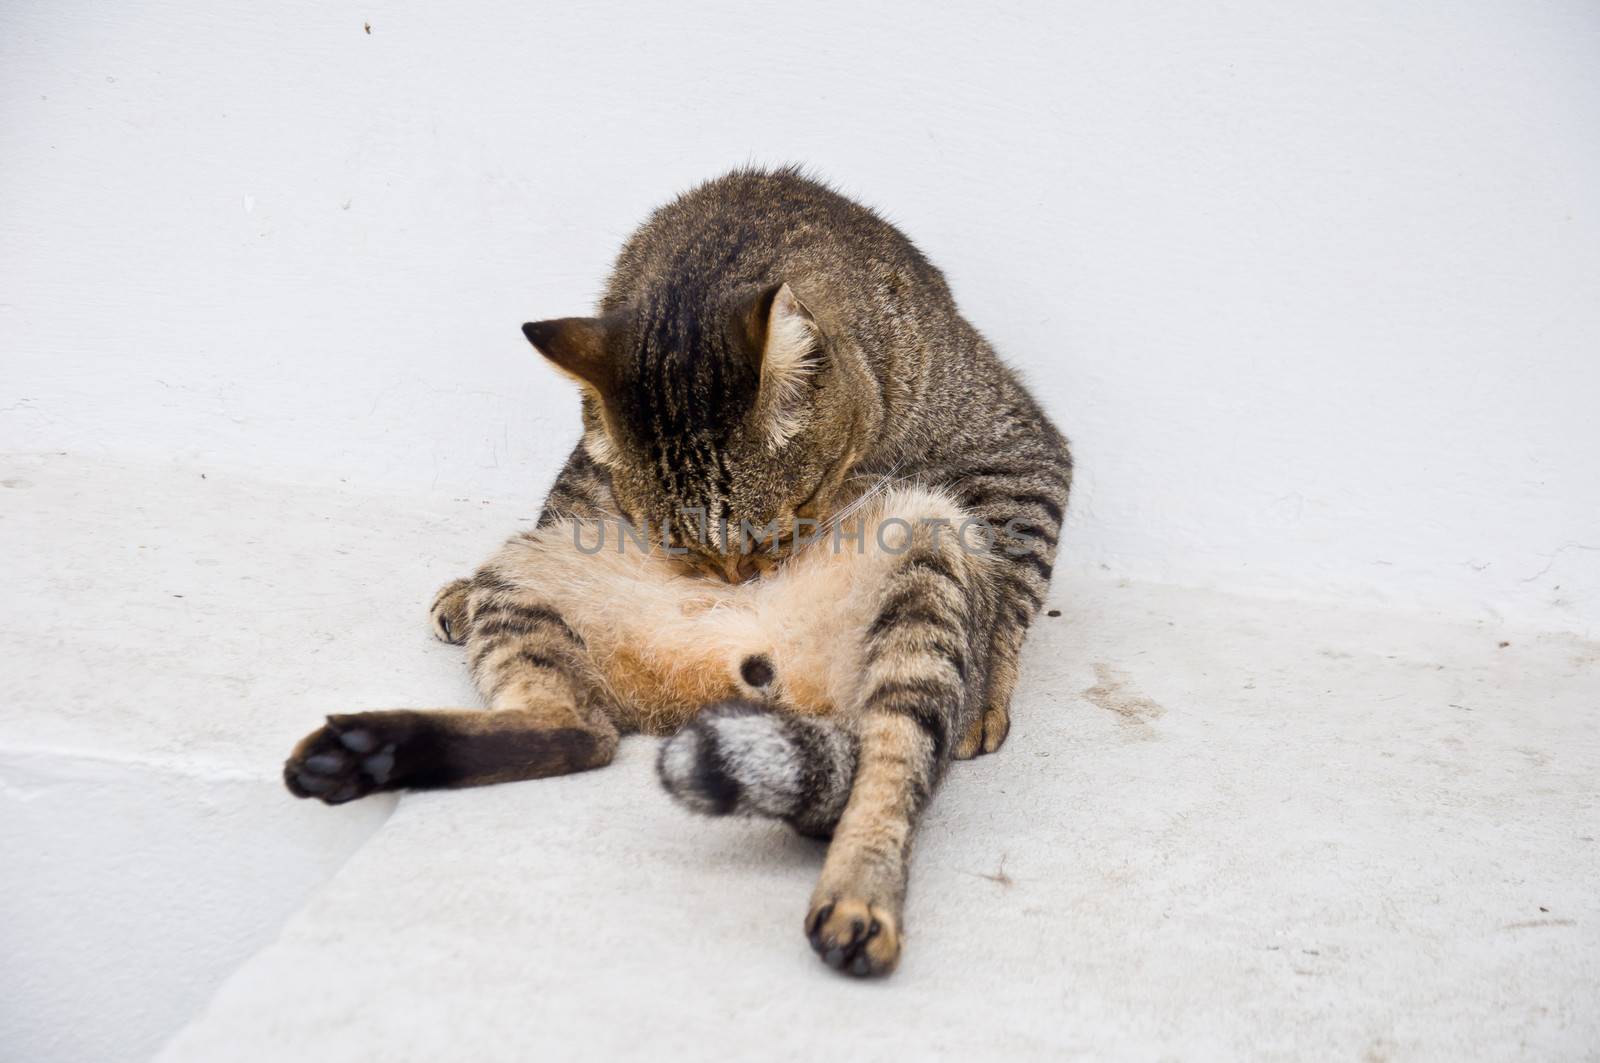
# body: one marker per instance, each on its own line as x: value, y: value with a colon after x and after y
x: 1315, y: 289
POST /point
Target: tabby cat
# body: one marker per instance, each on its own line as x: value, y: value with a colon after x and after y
x: 805, y: 531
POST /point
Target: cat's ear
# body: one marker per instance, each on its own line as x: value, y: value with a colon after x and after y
x: 791, y: 346
x: 577, y: 347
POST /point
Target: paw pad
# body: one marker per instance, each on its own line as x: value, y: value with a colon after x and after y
x: 336, y: 765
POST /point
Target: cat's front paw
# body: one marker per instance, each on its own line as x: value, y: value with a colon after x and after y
x: 854, y: 935
x: 349, y: 757
x: 987, y: 734
x: 449, y: 612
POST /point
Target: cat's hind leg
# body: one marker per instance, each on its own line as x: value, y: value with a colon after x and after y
x: 914, y: 700
x: 546, y: 716
x: 423, y: 749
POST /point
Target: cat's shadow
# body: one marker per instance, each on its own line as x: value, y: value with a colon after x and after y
x: 756, y: 844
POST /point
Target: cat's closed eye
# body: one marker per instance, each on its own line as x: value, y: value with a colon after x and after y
x: 808, y: 508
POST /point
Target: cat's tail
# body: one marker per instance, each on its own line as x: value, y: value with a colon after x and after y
x: 740, y: 758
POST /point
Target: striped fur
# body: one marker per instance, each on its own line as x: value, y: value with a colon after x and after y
x: 765, y: 351
x: 748, y: 759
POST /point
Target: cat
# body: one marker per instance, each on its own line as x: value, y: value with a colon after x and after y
x: 808, y: 524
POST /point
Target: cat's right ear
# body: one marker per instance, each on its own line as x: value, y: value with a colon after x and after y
x: 577, y: 347
x: 790, y: 344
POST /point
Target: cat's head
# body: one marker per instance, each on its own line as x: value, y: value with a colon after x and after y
x: 735, y: 411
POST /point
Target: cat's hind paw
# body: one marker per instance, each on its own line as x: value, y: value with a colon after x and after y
x: 854, y: 936
x: 341, y: 761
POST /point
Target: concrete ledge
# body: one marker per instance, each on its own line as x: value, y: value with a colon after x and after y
x: 1222, y: 828
x: 130, y: 890
x: 169, y: 633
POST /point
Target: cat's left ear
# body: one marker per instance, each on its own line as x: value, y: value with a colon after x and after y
x: 791, y: 346
x: 577, y: 347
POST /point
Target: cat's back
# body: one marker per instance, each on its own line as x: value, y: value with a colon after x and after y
x: 757, y: 226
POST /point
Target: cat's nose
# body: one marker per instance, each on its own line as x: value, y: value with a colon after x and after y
x: 738, y: 569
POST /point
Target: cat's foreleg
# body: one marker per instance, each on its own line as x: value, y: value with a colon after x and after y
x: 1024, y: 501
x: 545, y: 716
x: 448, y: 614
x: 989, y: 727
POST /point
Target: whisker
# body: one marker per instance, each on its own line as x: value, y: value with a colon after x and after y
x: 883, y: 483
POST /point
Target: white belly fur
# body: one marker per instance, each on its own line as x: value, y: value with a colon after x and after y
x: 670, y: 643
